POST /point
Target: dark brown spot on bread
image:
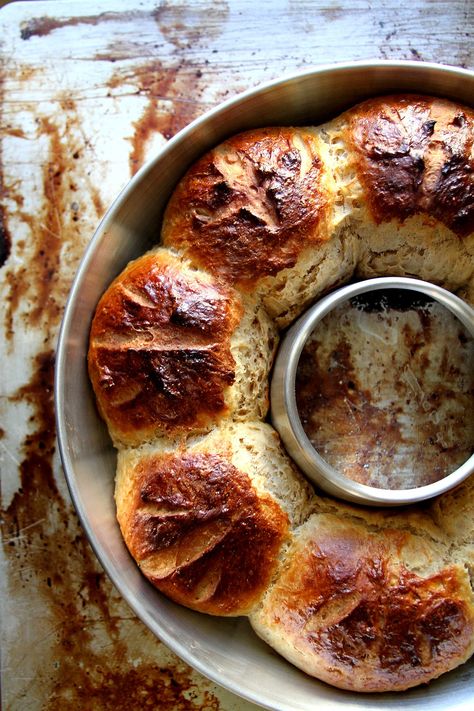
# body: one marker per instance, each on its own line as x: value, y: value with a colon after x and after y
x: 159, y: 355
x: 415, y: 154
x: 405, y: 626
x: 201, y: 532
x: 248, y: 208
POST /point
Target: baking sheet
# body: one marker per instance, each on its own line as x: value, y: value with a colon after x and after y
x: 89, y: 91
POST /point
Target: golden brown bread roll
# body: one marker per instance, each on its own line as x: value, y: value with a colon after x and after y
x: 206, y: 522
x: 258, y: 210
x: 210, y: 506
x: 414, y: 155
x: 404, y: 169
x: 249, y: 208
x: 166, y: 347
x: 368, y: 607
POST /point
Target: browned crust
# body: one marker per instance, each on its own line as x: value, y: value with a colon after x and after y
x: 159, y: 355
x: 248, y: 208
x: 360, y: 619
x: 415, y: 155
x: 201, y: 533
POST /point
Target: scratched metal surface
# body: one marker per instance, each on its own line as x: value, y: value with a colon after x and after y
x: 89, y: 90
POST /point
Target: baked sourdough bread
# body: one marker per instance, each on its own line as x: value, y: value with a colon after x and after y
x: 211, y: 507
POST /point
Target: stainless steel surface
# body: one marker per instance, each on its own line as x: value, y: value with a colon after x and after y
x: 223, y: 649
x: 284, y: 410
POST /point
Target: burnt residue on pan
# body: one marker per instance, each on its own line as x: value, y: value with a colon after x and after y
x: 385, y: 388
x: 5, y: 240
x: 181, y: 24
x: 38, y: 284
x: 161, y: 86
x: 186, y: 26
x: 173, y: 96
x: 147, y: 686
x: 44, y: 25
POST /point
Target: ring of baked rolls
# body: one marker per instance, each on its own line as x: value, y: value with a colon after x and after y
x: 210, y: 506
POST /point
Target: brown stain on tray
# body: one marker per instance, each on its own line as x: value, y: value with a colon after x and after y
x: 181, y: 25
x: 174, y: 91
x: 45, y: 25
x: 148, y: 686
x: 5, y: 239
x: 172, y: 95
x: 186, y: 25
x: 39, y: 281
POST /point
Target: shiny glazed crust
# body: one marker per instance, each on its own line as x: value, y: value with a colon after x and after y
x: 249, y: 208
x: 160, y: 349
x: 414, y: 156
x: 210, y: 506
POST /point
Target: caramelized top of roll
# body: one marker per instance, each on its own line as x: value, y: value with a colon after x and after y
x: 348, y: 609
x: 248, y: 208
x: 416, y: 154
x: 200, y: 531
x: 159, y: 355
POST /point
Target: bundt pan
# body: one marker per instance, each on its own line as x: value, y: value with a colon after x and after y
x: 224, y: 649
